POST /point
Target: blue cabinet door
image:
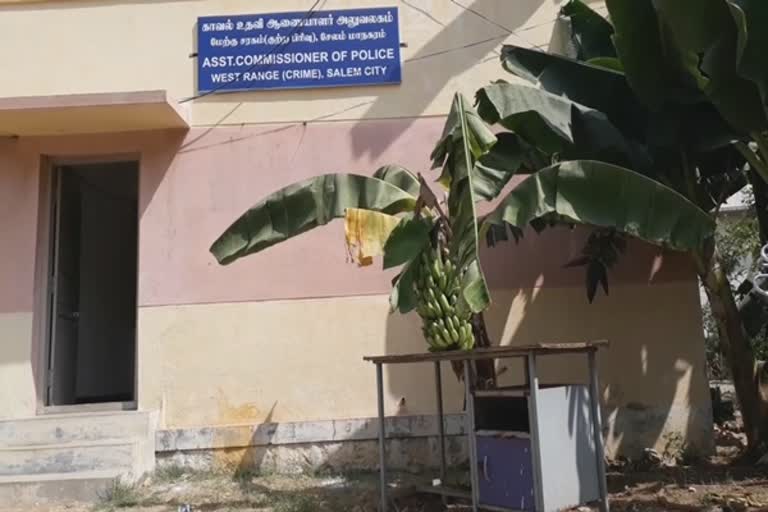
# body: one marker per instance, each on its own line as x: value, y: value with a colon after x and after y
x: 506, y: 475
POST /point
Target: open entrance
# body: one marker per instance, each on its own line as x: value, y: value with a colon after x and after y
x: 92, y: 327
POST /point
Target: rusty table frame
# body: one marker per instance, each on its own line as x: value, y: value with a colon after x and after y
x: 527, y: 352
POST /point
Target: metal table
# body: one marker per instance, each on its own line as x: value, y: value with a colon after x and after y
x: 529, y: 353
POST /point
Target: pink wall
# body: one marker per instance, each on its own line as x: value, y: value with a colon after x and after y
x: 18, y: 229
x: 194, y: 185
x: 218, y: 174
x: 20, y: 164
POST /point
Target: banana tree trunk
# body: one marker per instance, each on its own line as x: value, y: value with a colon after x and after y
x: 486, y: 369
x: 736, y: 348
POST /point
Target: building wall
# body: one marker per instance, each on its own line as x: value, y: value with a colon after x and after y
x: 279, y: 337
x: 18, y: 229
x: 117, y: 46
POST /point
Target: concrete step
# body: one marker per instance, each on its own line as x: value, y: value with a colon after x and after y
x: 69, y: 428
x: 68, y: 458
x: 86, y: 486
x: 73, y: 457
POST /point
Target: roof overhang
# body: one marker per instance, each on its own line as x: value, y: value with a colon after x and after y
x: 90, y: 113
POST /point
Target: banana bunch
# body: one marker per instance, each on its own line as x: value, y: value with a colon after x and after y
x: 437, y: 289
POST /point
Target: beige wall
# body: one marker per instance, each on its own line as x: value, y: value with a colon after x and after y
x: 18, y: 234
x: 17, y: 382
x: 93, y: 46
x: 247, y: 363
x: 280, y: 337
x: 23, y: 258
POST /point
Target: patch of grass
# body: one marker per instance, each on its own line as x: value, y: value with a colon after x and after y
x: 174, y: 473
x: 170, y: 473
x: 294, y: 503
x: 245, y: 474
x: 120, y: 494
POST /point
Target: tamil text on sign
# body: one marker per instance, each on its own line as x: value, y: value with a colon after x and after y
x: 298, y: 50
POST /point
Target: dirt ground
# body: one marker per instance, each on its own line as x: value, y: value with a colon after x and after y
x: 655, y: 483
x: 712, y: 486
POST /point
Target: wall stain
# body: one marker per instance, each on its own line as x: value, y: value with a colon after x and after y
x: 236, y: 414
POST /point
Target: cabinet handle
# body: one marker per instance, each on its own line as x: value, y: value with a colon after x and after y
x: 485, y: 469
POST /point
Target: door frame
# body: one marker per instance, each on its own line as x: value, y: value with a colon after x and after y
x: 45, y: 285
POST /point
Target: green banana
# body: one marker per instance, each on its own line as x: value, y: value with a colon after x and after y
x: 436, y: 268
x: 438, y: 283
x: 442, y: 281
x: 445, y: 305
x: 467, y: 338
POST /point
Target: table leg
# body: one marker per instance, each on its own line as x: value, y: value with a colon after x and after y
x: 594, y: 402
x: 382, y: 436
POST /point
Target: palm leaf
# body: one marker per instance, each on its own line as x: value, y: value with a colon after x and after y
x: 605, y: 195
x: 305, y: 205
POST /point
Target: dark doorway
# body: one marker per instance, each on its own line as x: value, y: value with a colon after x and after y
x: 92, y: 334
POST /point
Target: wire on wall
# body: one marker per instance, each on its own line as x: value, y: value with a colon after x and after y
x: 311, y: 12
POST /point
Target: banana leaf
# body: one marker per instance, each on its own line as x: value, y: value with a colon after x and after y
x: 555, y: 124
x: 399, y: 177
x: 717, y: 30
x: 494, y: 169
x: 659, y: 71
x: 607, y: 63
x: 698, y: 126
x: 366, y: 233
x: 590, y: 32
x: 302, y: 206
x: 404, y: 247
x: 465, y: 139
x: 736, y: 98
x: 587, y: 84
x: 407, y: 240
x: 608, y: 196
x: 695, y: 24
x: 751, y: 18
x: 403, y: 298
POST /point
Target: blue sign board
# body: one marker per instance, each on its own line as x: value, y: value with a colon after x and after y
x: 298, y: 50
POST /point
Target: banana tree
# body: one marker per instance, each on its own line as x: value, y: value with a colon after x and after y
x: 395, y: 213
x: 672, y: 90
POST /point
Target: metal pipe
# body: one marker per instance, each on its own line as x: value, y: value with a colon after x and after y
x: 533, y: 417
x: 594, y: 402
x: 440, y: 422
x: 382, y: 435
x: 472, y: 436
